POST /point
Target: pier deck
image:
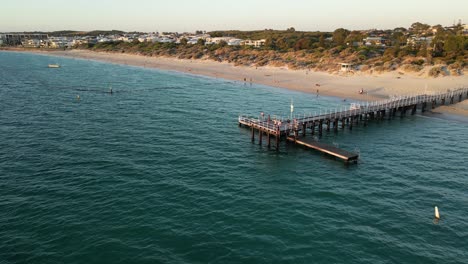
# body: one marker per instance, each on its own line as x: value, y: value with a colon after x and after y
x: 278, y: 127
x: 344, y: 155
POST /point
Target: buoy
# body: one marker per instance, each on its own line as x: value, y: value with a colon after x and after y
x: 436, y: 211
x: 77, y: 97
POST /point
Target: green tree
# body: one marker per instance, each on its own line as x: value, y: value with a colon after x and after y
x: 354, y: 36
x: 398, y: 38
x: 339, y: 36
x: 201, y: 42
x: 183, y: 41
x: 270, y: 43
x: 222, y: 43
x: 422, y: 52
x: 301, y: 44
x: 322, y: 41
x: 454, y: 44
x: 282, y: 44
x: 419, y: 28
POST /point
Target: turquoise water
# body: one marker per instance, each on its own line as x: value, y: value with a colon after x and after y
x: 159, y: 172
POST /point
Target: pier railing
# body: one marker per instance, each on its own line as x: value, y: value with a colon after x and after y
x: 277, y: 124
x: 279, y: 127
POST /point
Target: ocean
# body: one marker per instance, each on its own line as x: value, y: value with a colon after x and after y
x: 158, y: 171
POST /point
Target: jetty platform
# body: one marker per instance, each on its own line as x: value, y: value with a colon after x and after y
x: 275, y: 128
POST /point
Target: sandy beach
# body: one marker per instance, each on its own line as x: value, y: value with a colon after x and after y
x: 375, y: 87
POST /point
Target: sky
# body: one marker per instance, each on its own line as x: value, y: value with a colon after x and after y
x: 209, y: 15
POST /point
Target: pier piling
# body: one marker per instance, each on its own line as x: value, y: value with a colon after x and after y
x: 280, y: 129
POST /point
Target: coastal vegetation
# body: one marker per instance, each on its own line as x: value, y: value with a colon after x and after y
x: 442, y: 49
x: 420, y: 49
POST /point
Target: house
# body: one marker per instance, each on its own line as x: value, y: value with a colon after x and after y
x: 235, y: 42
x: 255, y: 43
x: 218, y: 40
x: 31, y: 43
x: 413, y: 40
x: 59, y: 43
x: 374, y: 41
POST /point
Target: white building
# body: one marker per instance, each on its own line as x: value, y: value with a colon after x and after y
x: 255, y: 43
x: 374, y: 41
x: 235, y: 42
x: 32, y: 43
x: 346, y: 67
x: 60, y: 43
x: 218, y: 40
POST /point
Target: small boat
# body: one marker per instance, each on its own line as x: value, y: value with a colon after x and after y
x: 54, y: 66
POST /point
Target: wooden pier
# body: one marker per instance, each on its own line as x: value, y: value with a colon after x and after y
x: 278, y: 128
x: 344, y: 155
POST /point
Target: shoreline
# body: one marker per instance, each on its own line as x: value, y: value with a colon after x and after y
x: 376, y: 87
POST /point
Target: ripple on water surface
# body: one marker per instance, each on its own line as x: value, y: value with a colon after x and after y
x: 159, y: 171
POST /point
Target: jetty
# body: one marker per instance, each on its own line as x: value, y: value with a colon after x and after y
x: 273, y: 128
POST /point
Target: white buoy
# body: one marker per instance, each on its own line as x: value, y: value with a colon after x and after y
x: 436, y: 211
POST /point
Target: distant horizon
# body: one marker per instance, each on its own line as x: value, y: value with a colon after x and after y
x: 244, y: 15
x: 232, y: 29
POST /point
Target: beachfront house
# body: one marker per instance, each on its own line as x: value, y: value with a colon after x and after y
x: 218, y: 40
x: 60, y: 43
x: 235, y: 42
x: 31, y: 43
x: 255, y: 43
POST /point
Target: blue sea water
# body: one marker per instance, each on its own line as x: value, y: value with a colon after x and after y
x: 159, y: 172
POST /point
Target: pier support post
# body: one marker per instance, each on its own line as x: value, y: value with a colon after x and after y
x: 335, y: 125
x: 451, y: 100
x: 312, y: 128
x: 413, y: 111
x: 365, y: 120
x: 253, y: 134
x: 260, y: 137
x: 423, y: 107
x: 460, y: 97
x: 402, y: 111
x: 268, y: 140
x: 357, y: 120
x: 342, y: 123
x: 303, y: 129
x: 328, y: 125
x: 443, y: 101
x: 320, y: 126
x: 433, y: 104
x: 382, y: 116
x: 278, y: 135
x: 351, y: 123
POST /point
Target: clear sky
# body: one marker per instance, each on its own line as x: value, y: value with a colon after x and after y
x: 191, y: 15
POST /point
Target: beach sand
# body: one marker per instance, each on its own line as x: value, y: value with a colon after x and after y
x: 375, y: 87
